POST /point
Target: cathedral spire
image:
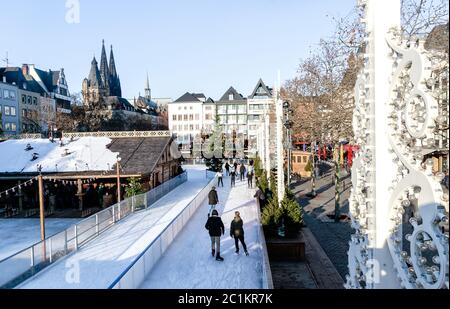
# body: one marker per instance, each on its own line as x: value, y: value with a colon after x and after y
x: 112, y: 64
x: 94, y: 78
x: 148, y: 91
x: 104, y: 69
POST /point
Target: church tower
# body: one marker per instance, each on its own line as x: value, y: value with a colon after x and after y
x: 104, y: 70
x: 93, y: 88
x: 148, y: 91
x: 114, y: 79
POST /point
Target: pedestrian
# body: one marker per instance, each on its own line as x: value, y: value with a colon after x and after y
x: 250, y: 179
x: 213, y: 200
x: 233, y: 177
x: 220, y: 178
x: 242, y: 171
x: 237, y: 232
x: 261, y: 198
x: 216, y: 229
x: 227, y: 168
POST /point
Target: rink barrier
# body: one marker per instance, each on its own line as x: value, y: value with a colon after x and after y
x: 267, y: 272
x: 134, y: 275
x: 21, y: 266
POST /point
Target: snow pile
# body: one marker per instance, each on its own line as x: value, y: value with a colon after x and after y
x: 87, y: 153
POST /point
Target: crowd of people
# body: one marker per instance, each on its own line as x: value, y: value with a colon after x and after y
x: 215, y: 225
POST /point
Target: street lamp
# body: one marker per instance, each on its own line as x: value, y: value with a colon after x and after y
x: 288, y: 124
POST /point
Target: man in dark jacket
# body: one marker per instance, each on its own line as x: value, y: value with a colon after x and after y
x: 213, y: 199
x: 237, y: 232
x: 216, y: 229
x: 242, y: 171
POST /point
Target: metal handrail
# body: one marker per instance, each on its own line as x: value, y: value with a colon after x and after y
x: 114, y: 213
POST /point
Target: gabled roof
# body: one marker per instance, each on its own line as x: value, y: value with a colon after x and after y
x: 260, y: 84
x: 15, y: 75
x: 210, y: 100
x: 231, y: 91
x: 187, y: 97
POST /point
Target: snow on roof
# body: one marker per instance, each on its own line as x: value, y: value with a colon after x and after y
x: 84, y: 154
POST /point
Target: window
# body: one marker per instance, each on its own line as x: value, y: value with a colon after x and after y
x: 208, y: 108
x: 242, y: 119
x: 13, y: 127
x: 34, y: 101
x: 7, y: 111
x: 180, y: 127
x: 232, y: 108
x: 174, y: 117
x: 242, y: 109
x: 24, y: 99
x: 29, y: 100
x: 180, y: 117
x: 197, y: 127
x: 186, y: 127
x: 231, y: 97
x: 7, y: 126
x: 1, y: 93
x: 191, y: 108
x: 222, y: 109
x: 197, y: 117
x: 185, y: 108
x: 24, y: 113
x: 12, y: 95
x: 208, y: 117
x: 305, y: 159
x: 191, y: 117
x: 174, y: 127
x: 185, y: 117
x: 179, y: 108
x: 232, y: 119
x: 191, y: 127
x: 24, y: 127
x: 13, y: 111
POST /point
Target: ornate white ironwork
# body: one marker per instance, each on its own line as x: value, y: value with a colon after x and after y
x: 398, y: 207
x: 123, y: 134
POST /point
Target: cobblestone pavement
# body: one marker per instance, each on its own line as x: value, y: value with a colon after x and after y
x: 333, y: 237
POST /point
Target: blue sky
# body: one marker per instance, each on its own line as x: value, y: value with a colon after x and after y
x: 185, y: 45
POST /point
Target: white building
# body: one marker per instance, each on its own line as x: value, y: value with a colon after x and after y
x: 193, y: 114
x: 260, y: 103
x: 186, y: 118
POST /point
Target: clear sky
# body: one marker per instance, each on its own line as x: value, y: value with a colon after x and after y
x: 185, y: 45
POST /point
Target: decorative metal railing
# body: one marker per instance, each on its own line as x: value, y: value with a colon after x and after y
x: 123, y: 134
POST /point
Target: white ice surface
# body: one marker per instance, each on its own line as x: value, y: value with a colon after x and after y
x: 188, y: 263
x: 103, y: 259
x: 19, y: 234
x: 86, y: 153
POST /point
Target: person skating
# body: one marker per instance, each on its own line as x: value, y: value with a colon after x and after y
x: 237, y: 232
x: 220, y: 178
x: 213, y: 200
x: 233, y: 177
x: 250, y: 179
x: 216, y: 229
x: 242, y: 171
x: 227, y: 168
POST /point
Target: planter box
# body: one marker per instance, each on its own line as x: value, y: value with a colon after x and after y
x: 286, y: 249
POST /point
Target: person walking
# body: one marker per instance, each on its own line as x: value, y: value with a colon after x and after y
x: 220, y: 178
x: 227, y: 168
x: 213, y: 200
x: 237, y: 232
x: 216, y: 229
x: 250, y: 179
x: 242, y: 171
x: 233, y: 177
